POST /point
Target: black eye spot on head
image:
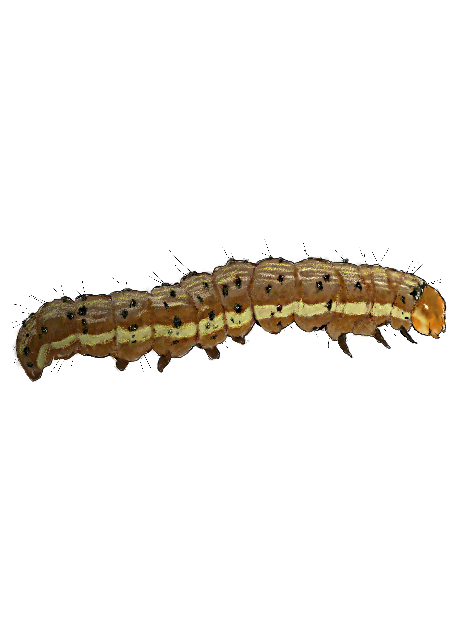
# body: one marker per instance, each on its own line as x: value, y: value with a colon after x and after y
x: 329, y: 304
x: 326, y: 277
x: 281, y: 278
x: 279, y: 308
x: 166, y: 305
x: 29, y: 364
x: 70, y: 315
x: 132, y: 327
x: 82, y: 311
x: 85, y: 331
x: 44, y: 330
x: 268, y: 288
x: 133, y: 303
x: 358, y: 285
x: 211, y: 315
x: 319, y: 285
x: 238, y: 282
x: 238, y: 308
x: 199, y: 299
x: 172, y: 293
x: 205, y: 285
x: 177, y: 322
x: 83, y: 321
x: 124, y: 313
x: 403, y: 299
x: 225, y: 291
x: 26, y: 351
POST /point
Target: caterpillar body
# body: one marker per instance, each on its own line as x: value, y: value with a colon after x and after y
x: 204, y: 308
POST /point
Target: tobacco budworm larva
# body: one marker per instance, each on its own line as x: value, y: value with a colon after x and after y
x: 205, y: 308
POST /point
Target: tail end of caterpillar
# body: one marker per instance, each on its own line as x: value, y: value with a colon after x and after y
x: 429, y: 315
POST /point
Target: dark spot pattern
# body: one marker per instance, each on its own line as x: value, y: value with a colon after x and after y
x: 82, y: 310
x: 83, y: 321
x: 358, y: 285
x: 329, y: 304
x: 237, y: 307
x: 177, y: 322
x: 279, y: 308
x: 200, y: 299
x: 213, y: 337
x: 133, y: 303
x: 85, y: 331
x: 29, y: 364
x: 44, y: 330
x: 225, y: 291
x: 319, y: 285
x: 70, y: 315
x: 124, y: 313
x: 326, y: 277
x: 238, y: 282
x: 132, y: 327
x: 268, y: 288
x: 172, y: 293
x: 26, y: 350
x: 281, y: 278
x: 205, y: 285
x: 175, y: 342
x: 403, y: 299
x: 166, y: 305
x: 211, y: 315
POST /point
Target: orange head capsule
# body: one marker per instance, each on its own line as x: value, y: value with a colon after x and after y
x: 429, y: 315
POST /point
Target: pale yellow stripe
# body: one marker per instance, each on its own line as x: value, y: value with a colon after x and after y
x: 96, y: 339
x: 186, y: 330
x: 265, y: 311
x: 381, y: 310
x: 396, y: 312
x: 141, y: 333
x: 216, y: 324
x: 239, y: 320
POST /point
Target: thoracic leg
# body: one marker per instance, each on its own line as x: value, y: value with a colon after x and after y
x: 343, y: 344
x: 378, y: 336
x: 163, y: 362
x: 405, y: 333
x: 213, y: 353
x: 121, y: 364
x: 239, y: 339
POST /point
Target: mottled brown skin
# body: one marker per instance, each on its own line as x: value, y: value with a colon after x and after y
x: 205, y: 308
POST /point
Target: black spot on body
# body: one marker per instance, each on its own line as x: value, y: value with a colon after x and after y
x: 358, y: 285
x: 177, y: 322
x: 26, y: 351
x: 27, y: 335
x: 281, y: 278
x: 326, y: 277
x: 175, y: 342
x: 172, y: 293
x: 133, y: 303
x: 83, y: 321
x: 124, y: 313
x: 211, y: 315
x: 279, y: 308
x: 200, y: 299
x: 70, y: 315
x: 208, y: 325
x: 237, y: 307
x: 329, y: 304
x: 82, y: 310
x: 279, y: 323
x: 132, y: 327
x: 44, y: 330
x: 225, y: 291
x: 213, y: 337
x: 403, y: 299
x: 133, y: 341
x: 205, y: 285
x: 238, y: 282
x: 29, y: 364
x: 319, y: 285
x: 85, y: 331
x: 268, y: 288
x: 166, y: 305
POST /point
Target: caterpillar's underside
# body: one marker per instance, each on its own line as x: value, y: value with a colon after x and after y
x: 205, y: 308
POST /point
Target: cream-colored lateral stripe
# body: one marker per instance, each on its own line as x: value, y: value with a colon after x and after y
x: 396, y: 312
x: 239, y: 320
x: 306, y: 310
x: 85, y: 339
x: 142, y: 333
x: 216, y: 324
x: 186, y: 330
x: 381, y: 310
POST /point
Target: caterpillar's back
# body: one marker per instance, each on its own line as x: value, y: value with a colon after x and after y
x: 203, y: 309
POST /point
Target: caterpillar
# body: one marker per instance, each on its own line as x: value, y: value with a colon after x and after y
x: 204, y: 308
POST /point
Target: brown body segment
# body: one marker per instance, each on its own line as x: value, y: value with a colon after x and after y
x: 233, y: 283
x: 409, y: 291
x: 210, y: 313
x: 58, y: 317
x: 133, y: 324
x: 274, y: 291
x: 95, y: 325
x: 319, y: 288
x: 174, y: 320
x: 30, y: 338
